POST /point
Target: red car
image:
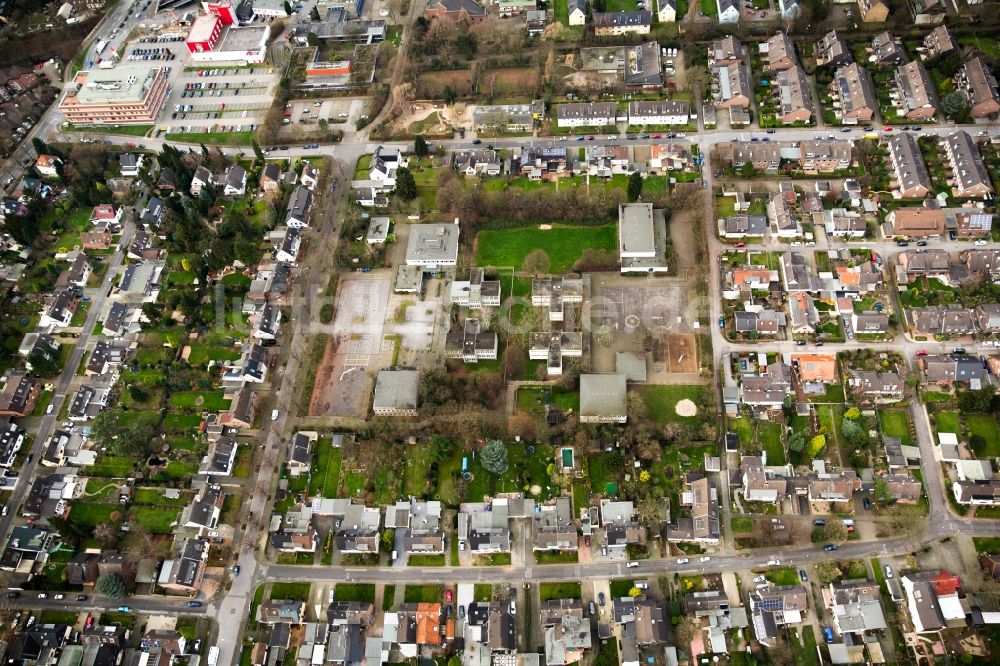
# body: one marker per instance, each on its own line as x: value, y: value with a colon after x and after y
x: 657, y: 136
x: 887, y: 128
x: 90, y: 622
x: 921, y: 352
x: 741, y: 244
x: 447, y: 596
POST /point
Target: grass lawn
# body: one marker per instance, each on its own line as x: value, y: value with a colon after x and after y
x: 985, y: 426
x: 620, y: 6
x: 212, y: 138
x: 492, y: 560
x: 769, y: 437
x: 483, y: 592
x: 154, y: 497
x: 936, y: 396
x: 154, y: 518
x: 561, y: 8
x: 417, y: 594
x: 547, y: 591
x: 709, y: 8
x: 607, y: 654
x: 388, y: 597
x: 112, y: 466
x: 805, y: 651
x: 895, y: 424
x: 364, y: 592
x: 742, y: 524
x: 783, y: 576
x: 418, y: 464
x: 210, y: 401
x: 661, y: 402
x: 986, y: 544
x: 426, y: 560
x: 556, y: 557
x: 620, y: 587
x: 563, y: 245
x: 326, y: 470
x: 58, y: 617
x: 293, y: 591
x: 946, y: 421
x: 91, y: 515
x: 741, y: 426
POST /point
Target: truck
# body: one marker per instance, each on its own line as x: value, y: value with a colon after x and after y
x: 107, y: 64
x: 213, y: 656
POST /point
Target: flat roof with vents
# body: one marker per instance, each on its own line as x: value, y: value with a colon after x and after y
x: 432, y: 245
x: 120, y: 85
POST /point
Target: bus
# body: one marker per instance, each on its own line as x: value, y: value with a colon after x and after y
x: 99, y: 49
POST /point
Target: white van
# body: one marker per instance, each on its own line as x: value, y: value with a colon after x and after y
x: 274, y: 414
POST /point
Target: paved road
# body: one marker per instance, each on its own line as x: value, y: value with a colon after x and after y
x: 98, y: 296
x: 231, y: 609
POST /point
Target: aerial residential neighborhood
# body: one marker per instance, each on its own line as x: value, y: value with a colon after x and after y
x: 499, y: 332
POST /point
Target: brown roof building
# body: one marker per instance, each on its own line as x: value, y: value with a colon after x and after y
x: 976, y: 79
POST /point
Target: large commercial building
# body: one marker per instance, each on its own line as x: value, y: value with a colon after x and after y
x: 238, y: 44
x: 129, y: 94
x: 641, y: 239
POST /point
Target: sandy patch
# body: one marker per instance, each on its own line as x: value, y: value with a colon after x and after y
x: 686, y: 407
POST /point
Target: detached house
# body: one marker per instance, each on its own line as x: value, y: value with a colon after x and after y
x: 419, y: 524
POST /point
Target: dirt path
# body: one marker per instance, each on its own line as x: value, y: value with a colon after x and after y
x: 319, y: 402
x: 682, y: 234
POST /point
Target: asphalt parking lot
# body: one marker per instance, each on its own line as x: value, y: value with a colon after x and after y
x: 332, y: 110
x: 218, y: 99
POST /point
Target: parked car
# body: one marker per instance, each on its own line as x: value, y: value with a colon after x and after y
x: 830, y: 547
x: 81, y: 597
x: 828, y: 634
x: 194, y: 604
x: 600, y: 598
x: 631, y: 565
x: 774, y: 563
x: 683, y: 560
x: 803, y: 576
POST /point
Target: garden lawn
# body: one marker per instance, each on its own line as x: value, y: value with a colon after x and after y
x: 563, y: 244
x: 209, y: 401
x: 894, y: 423
x: 783, y: 576
x: 427, y: 594
x: 156, y: 519
x: 112, y: 466
x: 556, y: 557
x: 418, y: 464
x: 363, y: 592
x: 985, y: 426
x: 661, y: 402
x: 547, y: 591
x: 326, y: 470
x: 92, y: 515
x: 946, y: 421
x: 769, y: 437
x: 293, y: 591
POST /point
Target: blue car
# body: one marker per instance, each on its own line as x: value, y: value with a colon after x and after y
x: 828, y: 634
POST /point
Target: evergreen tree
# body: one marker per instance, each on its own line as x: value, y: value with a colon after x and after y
x: 494, y: 457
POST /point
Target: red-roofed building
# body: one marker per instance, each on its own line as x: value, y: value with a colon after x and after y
x: 204, y: 33
x: 106, y: 214
x: 945, y: 583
